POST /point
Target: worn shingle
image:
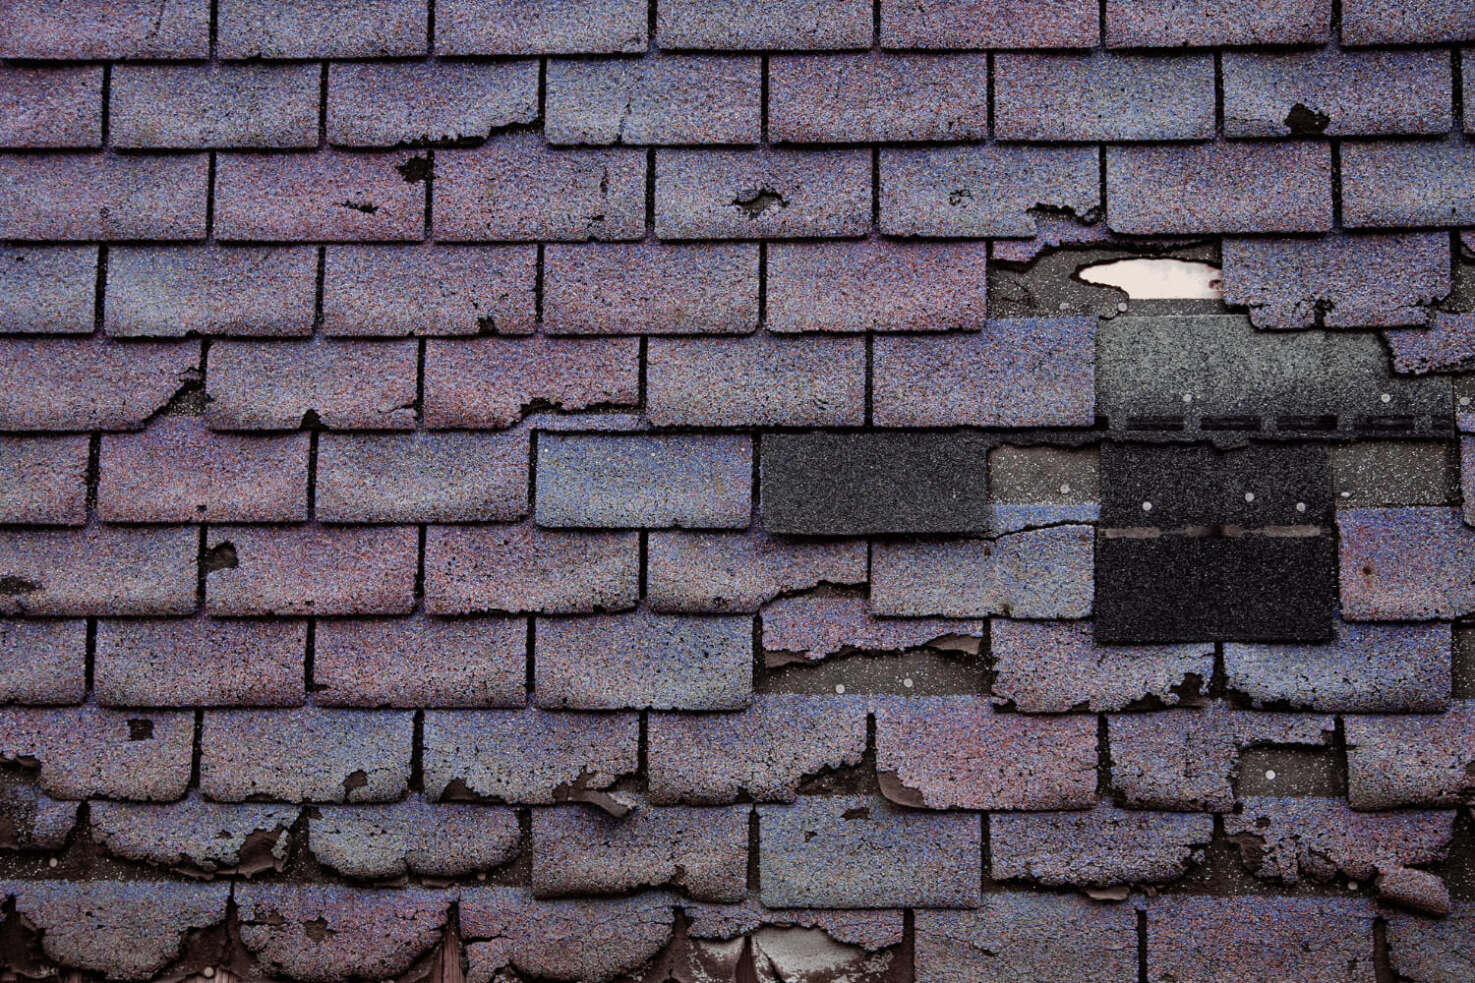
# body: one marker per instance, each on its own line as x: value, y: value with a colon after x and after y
x: 1407, y: 183
x: 197, y: 107
x: 412, y: 837
x: 450, y: 476
x: 520, y: 568
x: 1019, y: 936
x: 1103, y: 97
x: 1317, y: 838
x: 396, y: 104
x: 184, y: 662
x: 85, y: 751
x: 1397, y: 761
x: 310, y: 570
x: 651, y: 288
x: 1096, y: 848
x: 420, y: 662
x: 877, y: 97
x: 1406, y: 564
x: 168, y: 292
x: 718, y: 573
x: 1200, y: 939
x: 394, y: 291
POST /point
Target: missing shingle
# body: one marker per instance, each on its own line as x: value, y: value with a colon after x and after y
x: 1156, y: 278
x: 755, y: 202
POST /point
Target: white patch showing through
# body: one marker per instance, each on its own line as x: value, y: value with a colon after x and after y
x: 1157, y: 279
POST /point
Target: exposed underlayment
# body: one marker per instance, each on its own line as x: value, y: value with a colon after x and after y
x: 813, y: 491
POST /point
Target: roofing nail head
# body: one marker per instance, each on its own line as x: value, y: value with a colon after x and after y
x: 907, y: 682
x: 1270, y: 775
x: 840, y: 688
x: 1464, y: 400
x: 1065, y: 489
x: 1300, y: 506
x: 1147, y: 506
x: 1188, y: 397
x: 1249, y: 496
x: 208, y: 972
x: 1387, y: 398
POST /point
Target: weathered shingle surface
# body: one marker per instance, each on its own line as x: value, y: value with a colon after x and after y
x: 618, y: 491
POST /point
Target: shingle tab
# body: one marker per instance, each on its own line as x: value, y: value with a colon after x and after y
x: 1103, y: 97
x: 531, y: 27
x: 1407, y: 183
x: 753, y: 194
x: 100, y: 196
x: 45, y: 480
x: 321, y: 28
x: 423, y: 477
x: 394, y: 291
x: 48, y: 289
x: 1017, y: 936
x: 1395, y: 761
x: 43, y: 662
x: 1203, y: 23
x: 653, y: 100
x: 420, y: 662
x: 311, y: 570
x: 394, y: 104
x: 202, y: 106
x: 119, y: 29
x: 99, y: 570
x: 185, y: 662
x: 1099, y: 847
x: 343, y: 384
x: 1406, y: 564
x: 172, y: 292
x: 86, y: 751
x: 1200, y: 939
x: 1392, y: 22
x: 989, y: 24
x: 791, y: 24
x: 432, y: 840
x: 650, y: 288
x: 877, y: 97
x: 50, y: 107
x: 1447, y: 345
x: 1310, y: 838
x: 520, y: 568
x: 329, y: 195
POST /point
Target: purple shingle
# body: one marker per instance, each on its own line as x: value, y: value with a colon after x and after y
x: 329, y: 195
x: 1448, y: 345
x: 1019, y: 936
x: 421, y: 662
x: 1315, y: 838
x: 1339, y: 281
x: 1406, y: 564
x: 1023, y: 372
x: 117, y: 29
x: 733, y: 572
x: 1393, y: 183
x: 389, y: 104
x: 857, y: 852
x: 84, y: 752
x: 1395, y: 761
x: 1204, y: 23
x: 492, y: 382
x: 43, y: 661
x: 48, y: 289
x: 170, y: 292
x: 101, y: 196
x: 310, y: 570
x: 305, y: 755
x: 1042, y: 573
x: 197, y: 107
x: 956, y: 752
x: 653, y: 100
x: 800, y: 628
x: 877, y: 97
x: 989, y: 24
x: 99, y: 570
x: 760, y: 194
x: 1206, y: 939
x: 437, y: 840
x: 321, y: 28
x: 1467, y: 477
x: 1401, y: 22
x: 650, y: 288
x: 579, y: 850
x: 195, y: 837
x: 186, y: 662
x: 35, y: 821
x: 527, y: 756
x: 1057, y: 666
x: 50, y: 107
x: 1096, y: 848
x: 984, y: 190
x: 1427, y: 950
x: 1220, y: 187
x: 89, y: 384
x: 762, y: 753
x: 178, y: 471
x: 531, y: 27
x: 423, y: 477
x: 521, y: 568
x: 1103, y: 97
x: 366, y: 385
x: 45, y: 480
x: 393, y: 291
x: 790, y: 24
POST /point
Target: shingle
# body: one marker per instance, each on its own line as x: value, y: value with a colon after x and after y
x: 1467, y: 477
x: 1058, y: 666
x: 311, y: 570
x: 198, y: 838
x: 1220, y: 188
x: 1043, y: 573
x: 420, y: 662
x: 1395, y: 761
x: 579, y: 850
x: 412, y: 837
x: 532, y: 27
x: 1097, y: 848
x: 1019, y: 936
x: 389, y: 104
x: 323, y: 932
x: 985, y: 190
x: 492, y: 382
x: 1336, y: 93
x: 321, y: 28
x: 762, y: 753
x: 1426, y: 950
x: 85, y: 752
x: 1394, y: 22
x: 739, y: 572
x: 348, y: 385
x: 89, y: 384
x: 98, y: 570
x: 1204, y: 23
x: 877, y: 97
x: 957, y: 752
x: 989, y: 24
x: 43, y: 661
x: 650, y: 288
x: 1186, y: 760
x: 1447, y: 345
x: 877, y: 285
x: 1021, y: 372
x: 35, y: 821
x: 855, y: 852
x: 178, y: 471
x: 45, y: 480
x: 191, y: 662
x: 1319, y: 839
x: 1368, y: 668
x: 1406, y: 564
x: 515, y: 188
x: 813, y: 628
x: 423, y: 477
x: 50, y: 107
x: 520, y: 568
x: 124, y: 930
x: 638, y: 481
x: 641, y: 660
x: 760, y: 194
x: 172, y: 292
x: 119, y: 29
x: 332, y: 195
x: 1255, y: 487
x: 1393, y: 183
x: 857, y: 484
x: 526, y: 756
x: 1337, y: 281
x: 202, y: 106
x: 789, y: 24
x: 101, y: 196
x: 1259, y: 940
x: 653, y: 100
x: 760, y: 380
x: 1103, y: 97
x: 306, y: 755
x: 390, y: 291
x: 48, y: 289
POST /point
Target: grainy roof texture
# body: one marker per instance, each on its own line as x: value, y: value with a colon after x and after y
x: 643, y: 490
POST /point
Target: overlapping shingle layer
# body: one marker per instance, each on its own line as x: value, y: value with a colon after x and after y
x: 596, y: 489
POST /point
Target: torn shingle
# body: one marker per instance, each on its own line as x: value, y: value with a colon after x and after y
x: 1424, y: 761
x: 396, y: 104
x: 91, y: 384
x: 814, y: 628
x: 1096, y: 848
x: 196, y: 837
x: 715, y: 573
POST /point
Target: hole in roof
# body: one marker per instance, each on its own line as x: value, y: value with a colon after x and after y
x: 1157, y: 278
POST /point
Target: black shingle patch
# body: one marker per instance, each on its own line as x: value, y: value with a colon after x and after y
x: 858, y: 484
